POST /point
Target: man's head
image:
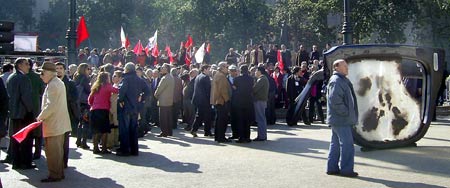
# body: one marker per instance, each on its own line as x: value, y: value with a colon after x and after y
x: 232, y: 69
x: 244, y: 69
x: 155, y: 73
x: 60, y: 69
x: 223, y: 67
x: 129, y: 67
x: 7, y: 68
x: 193, y: 73
x: 117, y: 77
x: 205, y: 69
x: 165, y: 68
x: 260, y: 71
x: 341, y: 66
x: 48, y: 71
x: 314, y: 48
x: 22, y: 64
x: 139, y: 71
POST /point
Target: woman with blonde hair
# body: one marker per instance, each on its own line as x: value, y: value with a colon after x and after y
x: 99, y: 99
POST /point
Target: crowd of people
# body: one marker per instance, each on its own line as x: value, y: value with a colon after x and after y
x: 116, y: 96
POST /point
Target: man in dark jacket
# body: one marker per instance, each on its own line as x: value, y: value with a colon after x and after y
x: 242, y: 100
x: 4, y: 100
x: 133, y: 91
x: 21, y: 113
x: 201, y: 100
x: 73, y: 106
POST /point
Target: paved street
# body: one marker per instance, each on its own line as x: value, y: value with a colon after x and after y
x: 293, y: 157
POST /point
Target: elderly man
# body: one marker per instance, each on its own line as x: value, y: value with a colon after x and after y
x: 261, y: 95
x: 342, y: 115
x: 132, y: 92
x: 56, y: 121
x: 165, y: 96
x: 220, y: 98
x: 21, y: 113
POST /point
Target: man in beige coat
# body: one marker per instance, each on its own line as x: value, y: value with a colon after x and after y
x: 56, y: 121
x: 164, y: 94
x: 220, y: 98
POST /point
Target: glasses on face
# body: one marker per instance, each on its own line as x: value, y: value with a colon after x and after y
x: 89, y: 69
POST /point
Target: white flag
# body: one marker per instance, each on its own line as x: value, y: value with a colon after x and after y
x: 123, y: 38
x: 200, y: 54
x: 152, y: 41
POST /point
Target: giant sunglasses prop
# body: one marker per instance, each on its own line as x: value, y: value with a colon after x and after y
x: 396, y: 88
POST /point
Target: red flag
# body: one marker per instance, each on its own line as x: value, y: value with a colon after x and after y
x: 23, y: 133
x: 155, y: 53
x: 82, y: 32
x: 189, y: 43
x: 138, y: 48
x: 280, y: 60
x: 208, y: 48
x: 169, y: 53
x: 187, y: 58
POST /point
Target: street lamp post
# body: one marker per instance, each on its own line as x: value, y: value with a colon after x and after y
x: 346, y: 27
x: 71, y: 35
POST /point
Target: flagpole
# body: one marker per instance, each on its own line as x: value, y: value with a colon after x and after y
x: 71, y: 35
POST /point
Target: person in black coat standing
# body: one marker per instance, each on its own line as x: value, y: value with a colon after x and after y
x: 73, y: 106
x: 294, y: 87
x: 21, y: 113
x: 4, y: 100
x: 242, y: 99
x: 201, y: 101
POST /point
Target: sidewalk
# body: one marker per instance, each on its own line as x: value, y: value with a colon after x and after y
x: 293, y: 157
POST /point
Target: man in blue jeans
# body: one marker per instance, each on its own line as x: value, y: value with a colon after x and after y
x: 132, y: 92
x: 342, y: 115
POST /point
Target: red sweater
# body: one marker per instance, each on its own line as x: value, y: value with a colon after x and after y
x: 101, y: 99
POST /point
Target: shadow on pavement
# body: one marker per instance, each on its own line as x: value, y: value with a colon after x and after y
x: 73, y: 179
x: 153, y: 160
x: 425, y: 159
x: 397, y: 184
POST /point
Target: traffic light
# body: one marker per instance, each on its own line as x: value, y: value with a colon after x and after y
x: 6, y: 36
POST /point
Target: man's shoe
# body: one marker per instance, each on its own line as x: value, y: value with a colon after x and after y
x: 49, y: 179
x: 194, y: 134
x: 259, y: 139
x: 161, y: 135
x: 6, y: 160
x: 84, y: 146
x: 233, y: 137
x: 244, y: 141
x: 333, y: 173
x: 307, y: 123
x: 351, y: 174
x: 209, y: 135
x: 224, y: 141
x: 122, y: 154
x: 31, y: 166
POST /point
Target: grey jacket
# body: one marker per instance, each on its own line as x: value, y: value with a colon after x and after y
x: 342, y: 108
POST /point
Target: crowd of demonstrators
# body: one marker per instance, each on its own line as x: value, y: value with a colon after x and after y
x: 116, y: 96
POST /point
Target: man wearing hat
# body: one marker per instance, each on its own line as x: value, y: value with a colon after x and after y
x: 55, y: 121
